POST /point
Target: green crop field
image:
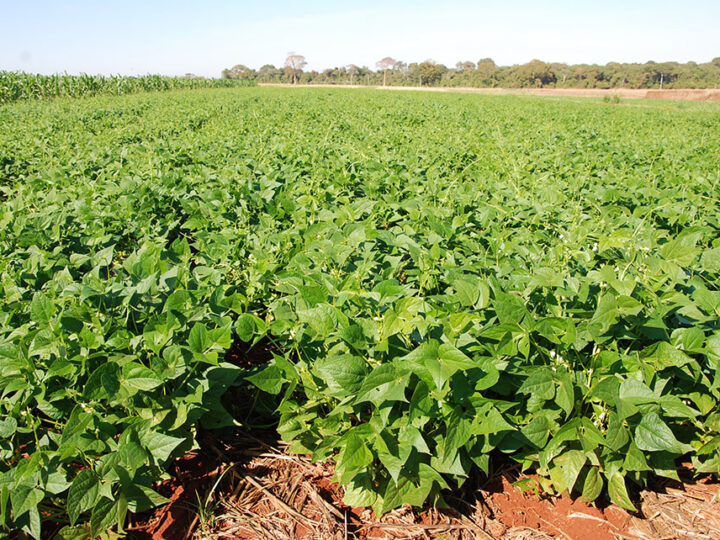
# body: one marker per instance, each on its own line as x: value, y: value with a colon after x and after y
x: 442, y: 280
x: 18, y: 86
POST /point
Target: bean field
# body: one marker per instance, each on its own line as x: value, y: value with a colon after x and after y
x: 439, y: 282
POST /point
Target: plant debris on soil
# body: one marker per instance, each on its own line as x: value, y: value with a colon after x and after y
x: 247, y: 487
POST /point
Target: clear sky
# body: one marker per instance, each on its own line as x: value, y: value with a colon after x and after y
x: 203, y: 37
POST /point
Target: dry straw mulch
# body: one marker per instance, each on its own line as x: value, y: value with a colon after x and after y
x: 261, y: 491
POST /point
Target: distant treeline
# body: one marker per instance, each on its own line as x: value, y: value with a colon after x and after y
x: 485, y: 73
x: 16, y: 86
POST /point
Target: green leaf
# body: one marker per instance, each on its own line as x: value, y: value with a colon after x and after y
x: 313, y: 294
x: 343, y: 374
x: 104, y: 516
x: 568, y: 432
x: 424, y: 362
x: 539, y: 385
x: 636, y: 392
x: 79, y: 532
x: 354, y: 335
x: 388, y: 288
x: 412, y: 491
x: 139, y: 377
x: 537, y: 431
x: 322, y: 319
x: 103, y: 257
x: 411, y: 436
x: 467, y: 292
x: 246, y: 325
x: 132, y: 455
x: 25, y: 496
x: 41, y: 309
x: 83, y: 494
x: 76, y: 425
x: 592, y: 487
x: 510, y: 308
x: 664, y: 355
x: 159, y: 444
x: 673, y: 406
x: 54, y: 482
x: 355, y: 457
x: 680, y: 250
x: 653, y: 435
x: 591, y: 437
x: 139, y: 499
x: 453, y: 360
x: 607, y: 389
x: 458, y: 432
x: 606, y: 314
x: 103, y: 383
x: 635, y: 459
x: 391, y: 454
x: 546, y: 277
x: 689, y: 339
x: 360, y: 492
x: 8, y: 426
x: 710, y: 260
x: 663, y: 464
x: 30, y: 523
x: 618, y: 492
x: 565, y: 395
x: 490, y: 421
x: 199, y: 339
x: 627, y: 306
x: 436, y: 363
x: 571, y: 463
x: 617, y: 435
x: 384, y: 383
x: 270, y: 379
x: 4, y: 498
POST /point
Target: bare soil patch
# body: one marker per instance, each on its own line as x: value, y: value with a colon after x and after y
x: 689, y: 94
x: 684, y: 95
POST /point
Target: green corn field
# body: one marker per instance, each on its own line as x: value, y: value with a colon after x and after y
x: 16, y: 86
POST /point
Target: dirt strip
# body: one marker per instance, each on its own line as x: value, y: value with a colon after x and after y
x: 685, y: 94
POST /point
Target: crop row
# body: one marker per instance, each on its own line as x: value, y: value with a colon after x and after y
x: 17, y: 86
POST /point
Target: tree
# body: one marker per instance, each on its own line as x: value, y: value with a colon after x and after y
x: 384, y: 64
x: 352, y: 70
x: 295, y: 63
x: 486, y: 72
x: 429, y: 72
x: 535, y: 74
x: 561, y: 70
x: 329, y: 75
x: 464, y: 66
x: 269, y: 73
x: 240, y: 72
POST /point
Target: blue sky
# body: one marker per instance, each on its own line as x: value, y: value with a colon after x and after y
x: 175, y: 37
